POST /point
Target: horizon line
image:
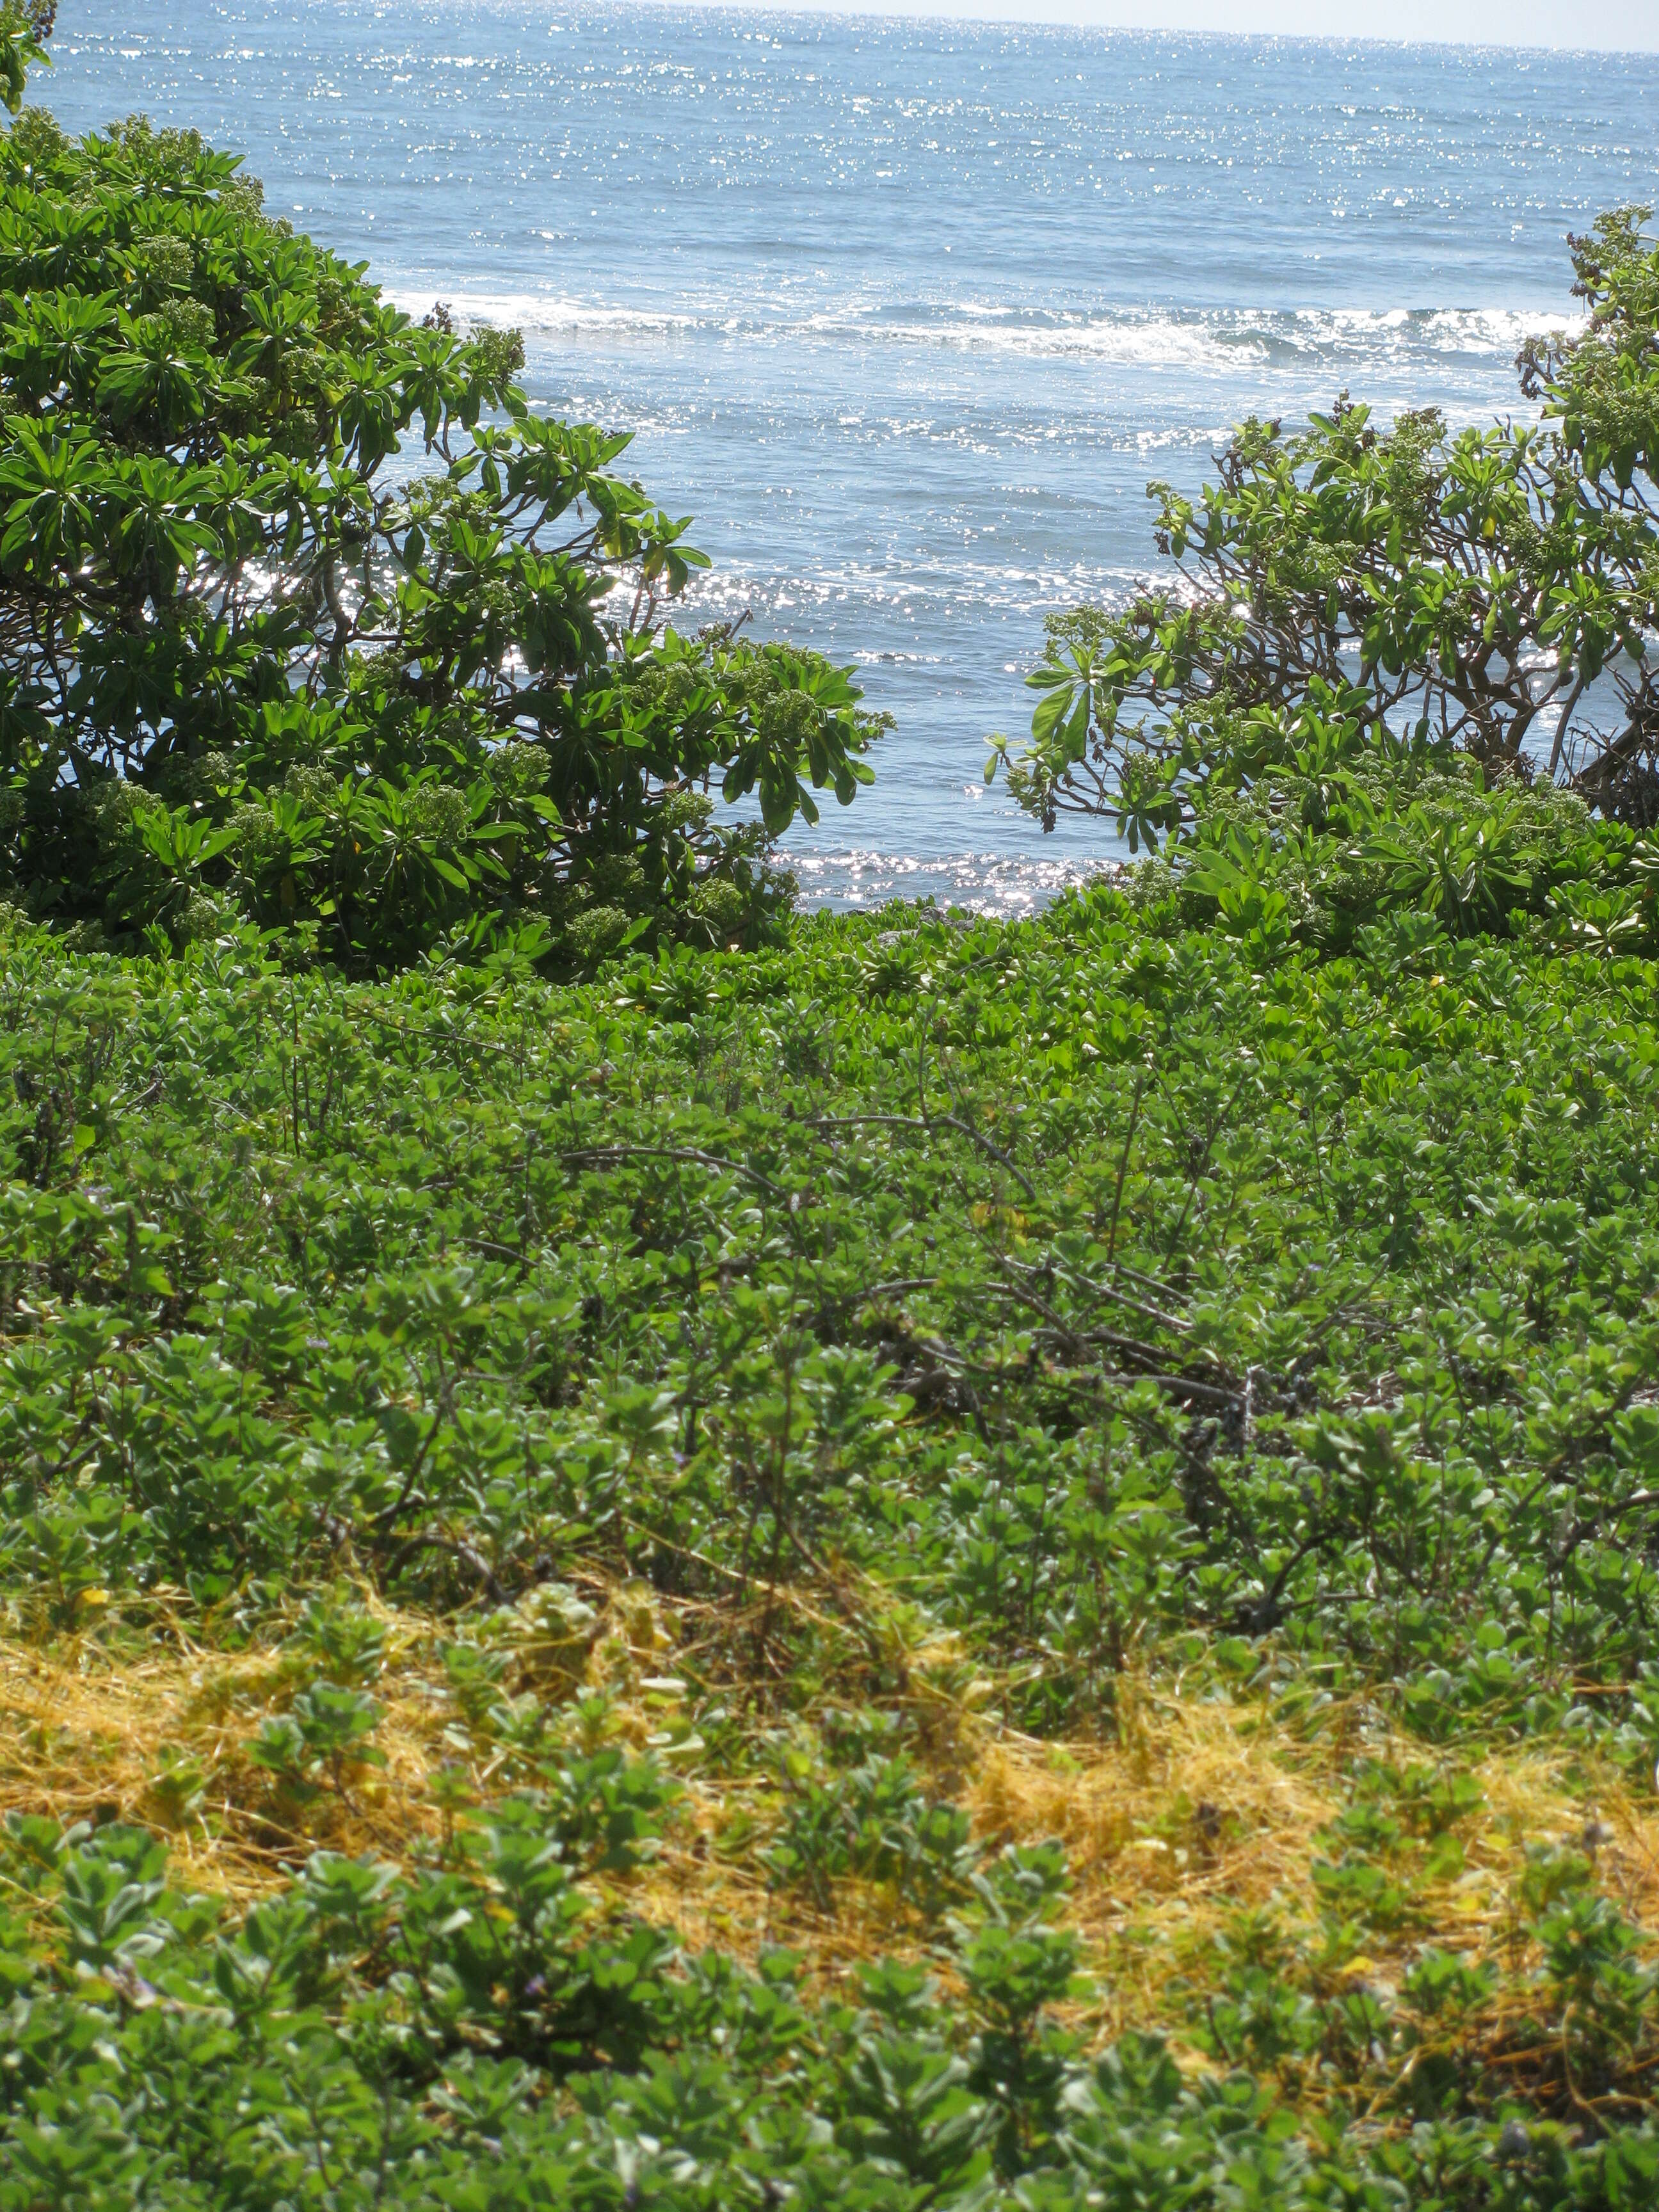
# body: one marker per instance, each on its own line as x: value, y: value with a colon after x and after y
x: 997, y: 13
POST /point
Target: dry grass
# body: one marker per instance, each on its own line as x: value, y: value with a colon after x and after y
x: 84, y: 1735
x: 1205, y: 1814
x: 1201, y: 1811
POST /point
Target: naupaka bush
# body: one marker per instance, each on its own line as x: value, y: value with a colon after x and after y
x: 308, y: 616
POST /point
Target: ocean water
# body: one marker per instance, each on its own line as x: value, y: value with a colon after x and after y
x: 908, y: 314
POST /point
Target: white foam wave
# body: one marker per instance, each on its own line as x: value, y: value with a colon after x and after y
x: 551, y: 314
x: 1217, y: 341
x: 1221, y: 341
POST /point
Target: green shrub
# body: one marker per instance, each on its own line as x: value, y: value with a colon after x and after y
x: 255, y: 668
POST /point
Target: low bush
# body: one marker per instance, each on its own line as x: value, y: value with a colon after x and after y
x: 847, y: 1357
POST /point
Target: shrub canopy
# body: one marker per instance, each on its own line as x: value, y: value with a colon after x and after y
x: 306, y: 615
x: 1348, y: 588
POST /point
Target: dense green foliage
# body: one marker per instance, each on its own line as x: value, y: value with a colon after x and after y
x: 303, y: 611
x: 1228, y: 1313
x: 1045, y: 1300
x: 1493, y: 590
x: 480, y: 2038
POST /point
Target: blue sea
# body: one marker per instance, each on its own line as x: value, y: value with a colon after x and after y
x: 908, y: 312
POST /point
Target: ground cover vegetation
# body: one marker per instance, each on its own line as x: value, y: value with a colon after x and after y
x: 940, y: 1564
x: 1005, y: 1565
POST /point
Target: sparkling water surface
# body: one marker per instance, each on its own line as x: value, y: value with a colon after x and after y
x: 908, y: 314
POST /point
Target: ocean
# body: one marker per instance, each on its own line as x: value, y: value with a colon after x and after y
x: 907, y: 313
